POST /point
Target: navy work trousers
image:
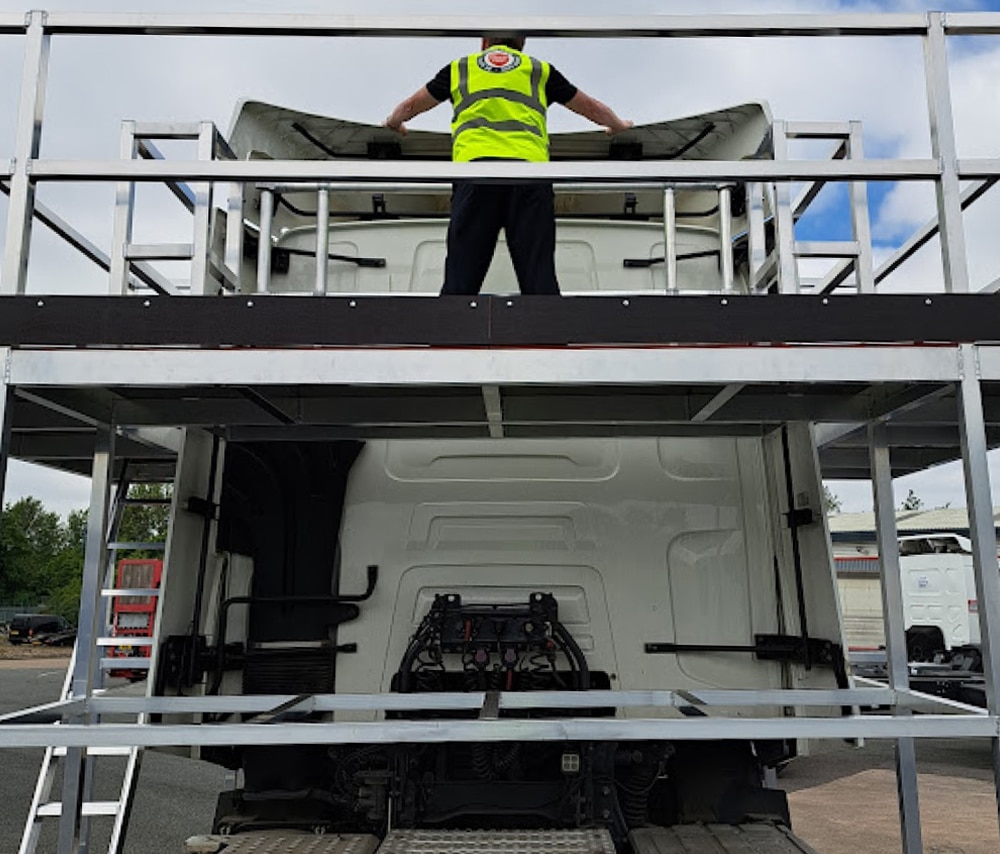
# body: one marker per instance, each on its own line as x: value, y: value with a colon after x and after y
x: 525, y: 212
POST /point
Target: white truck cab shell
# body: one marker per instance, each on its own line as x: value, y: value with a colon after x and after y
x: 939, y: 587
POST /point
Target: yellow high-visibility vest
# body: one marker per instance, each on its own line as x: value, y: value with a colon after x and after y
x: 499, y: 106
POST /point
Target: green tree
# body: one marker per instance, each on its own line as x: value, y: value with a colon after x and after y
x: 31, y: 539
x: 143, y: 522
x: 912, y: 502
x: 67, y: 568
x: 41, y: 556
x: 65, y: 600
x: 831, y: 501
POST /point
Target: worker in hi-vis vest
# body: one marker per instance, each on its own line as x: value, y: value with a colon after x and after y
x: 500, y: 96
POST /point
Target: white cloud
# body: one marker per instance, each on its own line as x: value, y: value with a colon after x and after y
x: 60, y: 493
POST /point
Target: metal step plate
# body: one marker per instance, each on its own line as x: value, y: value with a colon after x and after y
x: 757, y: 838
x: 497, y: 842
x: 282, y: 842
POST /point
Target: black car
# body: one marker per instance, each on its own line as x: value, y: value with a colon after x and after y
x: 30, y: 628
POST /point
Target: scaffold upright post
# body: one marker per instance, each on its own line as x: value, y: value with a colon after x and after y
x: 322, y: 241
x: 726, y: 237
x: 982, y: 532
x: 121, y: 234
x: 756, y: 233
x: 943, y: 147
x: 21, y: 209
x: 864, y: 271
x: 788, y: 272
x: 5, y: 417
x: 895, y: 632
x: 86, y: 660
x: 234, y: 234
x: 264, y: 241
x: 202, y: 211
x: 670, y: 239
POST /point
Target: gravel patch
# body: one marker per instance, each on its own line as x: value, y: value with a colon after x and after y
x: 30, y: 651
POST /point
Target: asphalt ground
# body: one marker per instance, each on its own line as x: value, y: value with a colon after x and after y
x: 175, y: 797
x: 842, y: 798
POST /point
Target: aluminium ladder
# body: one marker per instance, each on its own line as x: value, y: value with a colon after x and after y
x: 42, y: 805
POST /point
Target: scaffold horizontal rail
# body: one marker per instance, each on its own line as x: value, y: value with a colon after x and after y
x: 624, y: 26
x: 567, y: 729
x: 410, y: 172
x: 434, y: 701
x: 398, y: 367
x: 876, y: 695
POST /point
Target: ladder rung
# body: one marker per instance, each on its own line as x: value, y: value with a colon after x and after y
x: 54, y: 808
x: 827, y: 249
x: 124, y: 640
x: 325, y: 644
x: 97, y: 751
x: 817, y: 130
x: 129, y: 663
x: 130, y: 591
x: 166, y: 130
x: 159, y: 251
x: 151, y: 547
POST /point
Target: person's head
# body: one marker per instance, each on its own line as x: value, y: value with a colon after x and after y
x: 513, y: 41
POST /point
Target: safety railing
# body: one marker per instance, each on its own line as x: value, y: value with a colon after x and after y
x: 769, y: 183
x: 269, y: 192
x: 724, y: 716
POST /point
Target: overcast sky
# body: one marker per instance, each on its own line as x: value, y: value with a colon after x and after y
x: 95, y: 83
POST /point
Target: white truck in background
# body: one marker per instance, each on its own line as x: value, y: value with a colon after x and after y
x: 940, y: 612
x: 939, y: 597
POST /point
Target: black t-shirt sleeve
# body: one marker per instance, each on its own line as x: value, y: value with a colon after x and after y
x: 440, y: 86
x: 558, y: 90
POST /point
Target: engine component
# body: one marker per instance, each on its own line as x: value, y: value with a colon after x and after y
x: 495, y: 647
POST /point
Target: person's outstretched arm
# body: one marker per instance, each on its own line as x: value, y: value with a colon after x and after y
x: 599, y: 113
x: 419, y: 102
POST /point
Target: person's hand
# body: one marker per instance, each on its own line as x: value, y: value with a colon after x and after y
x: 398, y: 127
x: 624, y: 126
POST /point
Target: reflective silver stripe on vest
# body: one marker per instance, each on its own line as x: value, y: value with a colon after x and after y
x: 510, y: 126
x: 506, y: 94
x: 465, y: 99
x: 536, y: 81
x: 463, y: 81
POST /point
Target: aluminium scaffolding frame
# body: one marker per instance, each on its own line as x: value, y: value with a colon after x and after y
x: 37, y: 369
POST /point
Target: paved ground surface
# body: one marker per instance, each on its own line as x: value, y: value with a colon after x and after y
x: 10, y: 652
x: 175, y: 798
x: 843, y: 799
x: 33, y: 663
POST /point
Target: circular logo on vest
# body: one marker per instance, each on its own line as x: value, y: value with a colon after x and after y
x: 498, y: 61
